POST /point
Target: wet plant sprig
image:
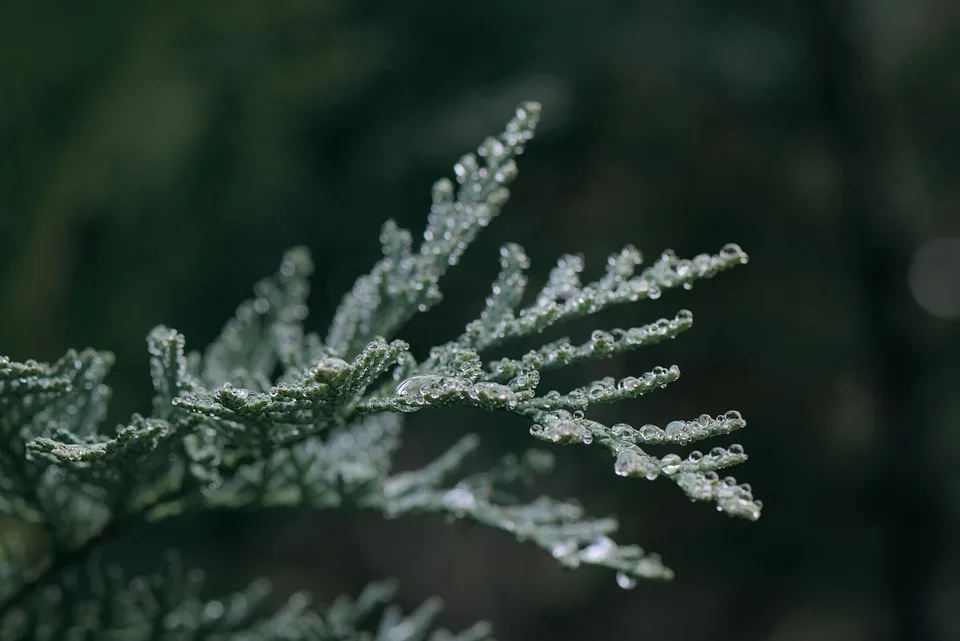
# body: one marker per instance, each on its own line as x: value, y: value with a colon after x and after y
x: 271, y: 414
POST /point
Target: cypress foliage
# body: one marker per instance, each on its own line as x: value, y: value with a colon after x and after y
x: 273, y: 415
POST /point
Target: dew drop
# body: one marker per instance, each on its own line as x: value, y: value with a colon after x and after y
x: 601, y: 548
x: 651, y: 433
x: 732, y: 251
x: 675, y: 430
x: 564, y: 549
x: 626, y: 581
x: 622, y: 430
x: 671, y: 464
x: 415, y: 384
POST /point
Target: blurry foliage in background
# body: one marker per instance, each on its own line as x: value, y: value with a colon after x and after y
x: 143, y: 147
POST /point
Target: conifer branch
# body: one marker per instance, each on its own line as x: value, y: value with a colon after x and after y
x: 273, y: 415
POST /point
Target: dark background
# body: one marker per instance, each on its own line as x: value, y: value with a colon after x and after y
x: 156, y: 160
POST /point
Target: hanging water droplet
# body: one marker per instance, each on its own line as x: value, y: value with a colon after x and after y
x: 634, y: 463
x: 671, y: 464
x: 601, y: 548
x: 414, y: 384
x: 564, y: 549
x: 626, y: 581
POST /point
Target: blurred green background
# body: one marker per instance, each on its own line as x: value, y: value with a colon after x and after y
x: 157, y: 158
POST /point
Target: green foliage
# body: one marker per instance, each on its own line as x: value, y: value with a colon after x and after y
x: 272, y: 415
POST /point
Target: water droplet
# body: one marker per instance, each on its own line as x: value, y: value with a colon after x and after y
x: 416, y: 385
x: 651, y: 433
x: 507, y: 172
x: 736, y: 449
x: 622, y: 430
x: 733, y: 415
x: 626, y: 581
x: 675, y: 430
x: 732, y: 251
x: 671, y: 464
x: 634, y: 463
x: 601, y: 548
x: 261, y: 305
x: 460, y: 500
x: 213, y: 610
x: 564, y: 549
x: 695, y: 456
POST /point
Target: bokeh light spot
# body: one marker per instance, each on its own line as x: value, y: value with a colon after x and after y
x: 935, y: 277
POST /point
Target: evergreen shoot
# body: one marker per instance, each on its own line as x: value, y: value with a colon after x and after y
x: 271, y: 414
